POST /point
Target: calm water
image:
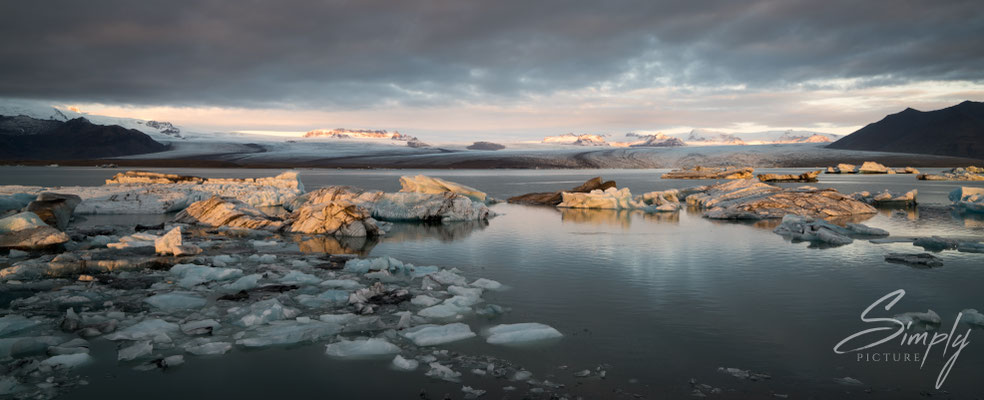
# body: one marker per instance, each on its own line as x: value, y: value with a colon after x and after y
x: 660, y: 299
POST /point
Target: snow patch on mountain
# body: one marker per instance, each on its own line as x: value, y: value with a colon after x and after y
x: 158, y: 130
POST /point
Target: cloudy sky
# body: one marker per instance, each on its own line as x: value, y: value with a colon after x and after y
x: 495, y: 69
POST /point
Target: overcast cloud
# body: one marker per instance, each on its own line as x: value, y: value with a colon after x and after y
x: 359, y: 55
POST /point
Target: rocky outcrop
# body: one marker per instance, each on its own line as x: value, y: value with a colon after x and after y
x: 338, y: 218
x: 710, y: 173
x: 554, y: 198
x: 888, y: 199
x: 218, y: 211
x: 968, y: 199
x: 804, y: 177
x: 485, y: 146
x: 430, y: 185
x: 745, y: 199
x: 443, y: 207
x: 970, y: 173
x: 55, y: 209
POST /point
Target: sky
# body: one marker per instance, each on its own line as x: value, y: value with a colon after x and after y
x: 495, y: 69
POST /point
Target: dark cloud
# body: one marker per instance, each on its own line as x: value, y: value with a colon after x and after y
x: 346, y: 54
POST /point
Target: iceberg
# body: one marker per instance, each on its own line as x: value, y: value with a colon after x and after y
x: 968, y: 199
x: 338, y: 218
x: 445, y: 207
x: 171, y: 244
x: 608, y: 199
x: 424, y: 300
x: 928, y: 317
x: 444, y: 311
x: 361, y: 348
x: 175, y: 301
x: 218, y: 211
x: 442, y: 372
x: 430, y: 335
x: 521, y: 333
x: 429, y: 185
x: 487, y: 284
x: 332, y: 296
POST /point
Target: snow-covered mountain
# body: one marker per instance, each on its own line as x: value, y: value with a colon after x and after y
x: 158, y: 130
x: 576, y: 139
x: 342, y: 133
x: 704, y: 137
x: 788, y: 136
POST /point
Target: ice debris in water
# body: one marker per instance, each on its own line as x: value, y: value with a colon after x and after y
x: 200, y: 327
x: 146, y: 329
x: 327, y: 297
x: 403, y: 364
x: 262, y: 312
x: 848, y: 381
x: 424, y: 300
x: 430, y: 335
x: 928, y: 317
x: 444, y: 311
x: 135, y: 351
x: 176, y: 301
x: 487, y: 284
x: 289, y: 332
x: 973, y: 317
x: 14, y: 323
x: 361, y: 348
x: 521, y: 333
x: 341, y: 284
x: 190, y: 275
x: 300, y: 278
x: 472, y: 393
x: 203, y: 347
x: 244, y: 283
x: 67, y: 361
x: 442, y: 372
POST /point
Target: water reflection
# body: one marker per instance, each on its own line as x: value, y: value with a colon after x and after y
x: 969, y: 219
x: 445, y: 232
x: 335, y: 245
x: 619, y: 218
x: 910, y: 213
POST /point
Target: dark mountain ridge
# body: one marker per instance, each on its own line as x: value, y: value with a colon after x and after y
x: 26, y: 138
x: 953, y: 131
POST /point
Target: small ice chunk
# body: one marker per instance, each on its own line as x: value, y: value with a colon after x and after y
x: 361, y: 348
x: 245, y: 283
x: 172, y: 361
x: 465, y: 292
x: 972, y: 317
x: 299, y: 278
x: 67, y: 361
x: 446, y: 277
x: 522, y: 375
x: 203, y: 348
x: 338, y: 318
x: 201, y: 327
x: 424, y: 300
x: 403, y: 364
x: 487, y: 284
x: 443, y: 311
x: 331, y: 296
x: 263, y: 312
x: 847, y: 380
x: 190, y: 275
x: 14, y: 323
x: 176, y: 301
x: 289, y: 332
x: 442, y: 372
x: 471, y: 393
x: 135, y: 351
x: 928, y: 317
x: 264, y: 259
x: 341, y: 284
x: 521, y: 333
x: 430, y: 335
x: 145, y: 329
x: 223, y: 260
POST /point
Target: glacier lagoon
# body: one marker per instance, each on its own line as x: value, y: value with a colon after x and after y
x: 654, y: 300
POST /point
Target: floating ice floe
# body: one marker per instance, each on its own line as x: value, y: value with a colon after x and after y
x: 968, y: 199
x: 279, y: 333
x: 341, y: 284
x: 190, y: 275
x: 749, y: 199
x: 66, y: 361
x: 608, y: 199
x: 521, y: 333
x: 402, y: 364
x: 13, y: 323
x: 800, y: 228
x: 439, y: 371
x: 928, y: 317
x: 299, y: 278
x: 171, y: 244
x: 244, y: 283
x: 430, y: 185
x: 328, y: 297
x: 361, y: 348
x: 918, y: 260
x: 175, y: 301
x: 487, y: 284
x: 204, y: 347
x: 431, y: 335
x: 444, y: 207
x: 200, y: 327
x: 424, y: 300
x: 146, y: 329
x: 261, y: 312
x: 135, y: 351
x: 973, y: 317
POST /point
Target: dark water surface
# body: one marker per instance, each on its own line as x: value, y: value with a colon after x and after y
x: 659, y: 299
